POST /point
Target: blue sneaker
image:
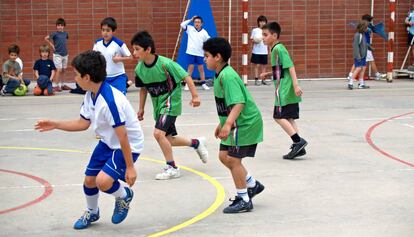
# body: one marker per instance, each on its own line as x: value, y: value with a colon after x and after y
x: 85, y: 220
x: 122, y: 207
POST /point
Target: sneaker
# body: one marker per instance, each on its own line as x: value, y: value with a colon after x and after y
x: 122, y: 206
x: 238, y: 206
x: 301, y: 153
x: 350, y: 86
x: 2, y: 93
x: 258, y: 188
x: 186, y: 87
x: 257, y: 82
x: 66, y: 88
x: 85, y: 220
x: 296, y: 148
x: 205, y: 87
x: 265, y: 83
x: 202, y: 149
x: 168, y: 173
x: 363, y: 86
x: 379, y: 76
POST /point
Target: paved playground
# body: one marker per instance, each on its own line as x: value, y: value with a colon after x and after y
x: 356, y: 180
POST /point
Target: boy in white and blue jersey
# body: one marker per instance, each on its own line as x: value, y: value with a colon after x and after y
x: 115, y: 52
x: 114, y: 120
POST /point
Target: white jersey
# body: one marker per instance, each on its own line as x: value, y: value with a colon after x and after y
x: 111, y: 109
x: 196, y: 38
x: 259, y: 48
x: 114, y: 47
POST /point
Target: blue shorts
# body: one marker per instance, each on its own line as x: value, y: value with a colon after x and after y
x: 110, y: 161
x: 360, y: 63
x: 119, y: 82
x: 197, y: 60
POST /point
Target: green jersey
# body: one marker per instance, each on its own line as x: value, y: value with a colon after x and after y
x: 162, y: 79
x: 281, y: 62
x: 228, y: 91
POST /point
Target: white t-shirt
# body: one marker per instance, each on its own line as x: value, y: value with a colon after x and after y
x: 109, y: 110
x: 259, y: 48
x: 195, y: 39
x: 114, y: 47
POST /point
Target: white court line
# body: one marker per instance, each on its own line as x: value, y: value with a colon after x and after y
x: 12, y: 119
x: 408, y: 125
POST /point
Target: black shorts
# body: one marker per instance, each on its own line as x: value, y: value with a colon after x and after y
x: 239, y: 152
x: 410, y: 37
x: 259, y: 59
x: 166, y: 123
x: 290, y: 111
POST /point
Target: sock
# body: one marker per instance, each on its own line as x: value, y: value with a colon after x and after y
x: 172, y: 164
x: 256, y: 78
x: 117, y: 190
x: 350, y: 74
x: 60, y: 84
x: 243, y: 194
x: 195, y: 143
x: 361, y: 81
x: 295, y: 138
x: 351, y: 80
x: 92, y: 195
x: 203, y: 82
x: 251, y: 182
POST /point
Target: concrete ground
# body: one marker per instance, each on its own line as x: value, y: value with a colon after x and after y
x: 343, y: 187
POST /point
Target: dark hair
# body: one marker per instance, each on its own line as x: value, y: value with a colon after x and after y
x: 367, y: 17
x: 273, y: 27
x: 110, y: 22
x: 14, y: 48
x: 261, y: 18
x: 144, y: 40
x: 61, y: 21
x: 92, y: 63
x: 198, y: 17
x: 218, y: 45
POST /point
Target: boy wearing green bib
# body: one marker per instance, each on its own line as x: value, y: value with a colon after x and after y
x: 241, y: 126
x: 161, y: 78
x: 288, y: 93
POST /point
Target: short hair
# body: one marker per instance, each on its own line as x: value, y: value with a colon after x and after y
x: 61, y: 21
x: 144, y: 40
x: 218, y: 45
x: 44, y: 48
x: 14, y: 48
x: 198, y: 17
x: 92, y: 63
x: 367, y: 17
x: 110, y: 22
x: 362, y: 26
x: 261, y: 18
x: 273, y: 27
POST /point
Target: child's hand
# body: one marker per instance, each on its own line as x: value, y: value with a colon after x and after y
x: 45, y: 125
x: 217, y: 131
x: 298, y: 91
x: 130, y: 176
x: 140, y: 115
x: 116, y: 58
x: 224, y: 132
x: 195, y: 101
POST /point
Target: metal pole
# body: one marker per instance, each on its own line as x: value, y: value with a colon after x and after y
x: 181, y: 30
x: 391, y: 26
x: 229, y: 27
x: 245, y: 40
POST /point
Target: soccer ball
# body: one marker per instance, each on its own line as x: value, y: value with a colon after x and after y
x: 37, y: 91
x: 258, y: 38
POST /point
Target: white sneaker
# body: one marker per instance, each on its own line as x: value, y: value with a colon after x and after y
x: 379, y: 76
x: 202, y: 149
x: 205, y: 87
x: 186, y: 87
x: 168, y: 173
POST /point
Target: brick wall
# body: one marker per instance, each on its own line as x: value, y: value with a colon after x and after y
x: 316, y: 32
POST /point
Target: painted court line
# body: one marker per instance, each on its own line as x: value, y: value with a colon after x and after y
x: 220, y: 193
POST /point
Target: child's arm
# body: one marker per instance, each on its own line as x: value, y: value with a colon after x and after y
x: 234, y: 114
x: 118, y: 58
x: 298, y: 90
x: 47, y: 39
x: 264, y: 75
x: 130, y: 174
x: 186, y: 22
x: 75, y: 125
x: 52, y: 75
x: 142, y: 98
x: 195, y: 101
x: 36, y: 74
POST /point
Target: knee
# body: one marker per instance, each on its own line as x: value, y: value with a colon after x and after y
x: 90, y: 181
x: 103, y: 183
x: 158, y: 134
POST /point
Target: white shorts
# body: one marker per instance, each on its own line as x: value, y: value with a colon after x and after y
x: 60, y: 61
x: 370, y: 56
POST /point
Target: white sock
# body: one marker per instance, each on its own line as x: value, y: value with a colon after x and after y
x: 60, y: 84
x: 351, y: 81
x: 243, y: 194
x: 92, y: 203
x: 251, y: 182
x: 350, y: 74
x: 361, y: 81
x: 120, y: 193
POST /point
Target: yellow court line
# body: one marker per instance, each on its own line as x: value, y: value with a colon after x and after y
x: 220, y: 194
